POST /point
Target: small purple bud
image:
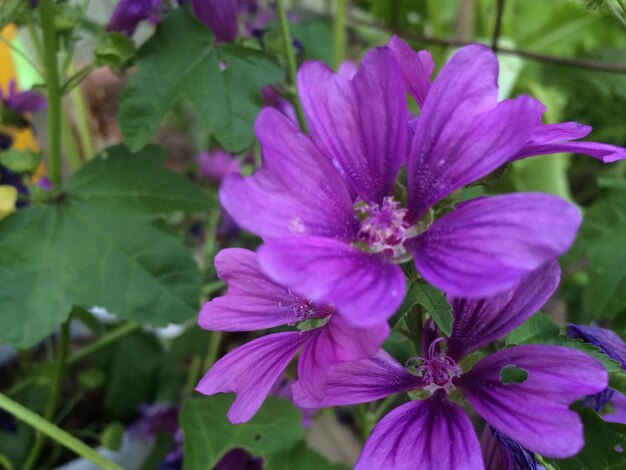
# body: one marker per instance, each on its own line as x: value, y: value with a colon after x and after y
x: 220, y: 16
x: 129, y: 13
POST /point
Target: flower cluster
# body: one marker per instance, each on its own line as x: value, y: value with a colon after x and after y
x: 371, y: 189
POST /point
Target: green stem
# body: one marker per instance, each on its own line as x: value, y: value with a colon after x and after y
x: 46, y: 8
x: 103, y: 341
x: 614, y: 11
x: 339, y: 33
x: 622, y: 4
x: 292, y: 67
x: 382, y: 408
x: 213, y: 349
x: 55, y: 392
x: 56, y: 433
x: 21, y: 53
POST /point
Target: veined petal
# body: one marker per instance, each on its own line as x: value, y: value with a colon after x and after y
x: 477, y: 322
x: 433, y: 433
x: 220, y: 16
x: 463, y: 134
x: 360, y: 382
x: 360, y: 123
x: 250, y: 372
x: 338, y: 341
x: 502, y: 453
x: 607, y: 341
x: 364, y: 287
x: 536, y: 412
x: 296, y: 191
x: 489, y: 244
x: 253, y: 301
x: 416, y: 68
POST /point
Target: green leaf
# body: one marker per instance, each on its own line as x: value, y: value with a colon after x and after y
x: 20, y: 161
x: 513, y: 374
x: 226, y: 101
x: 209, y: 435
x: 133, y: 374
x: 603, y: 442
x: 301, y: 457
x: 99, y: 244
x: 435, y: 304
x: 114, y: 50
x: 537, y: 329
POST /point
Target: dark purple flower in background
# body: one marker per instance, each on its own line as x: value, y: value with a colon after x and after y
x: 129, y: 13
x: 220, y: 16
x: 254, y: 302
x: 613, y: 346
x: 435, y: 431
x: 502, y: 453
x: 22, y: 102
x: 325, y: 205
x: 217, y: 164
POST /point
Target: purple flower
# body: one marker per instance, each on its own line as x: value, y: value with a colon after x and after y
x: 129, y: 13
x: 217, y: 164
x: 254, y: 302
x: 533, y: 411
x: 22, y: 102
x: 505, y: 454
x: 613, y: 346
x: 220, y: 16
x: 327, y: 207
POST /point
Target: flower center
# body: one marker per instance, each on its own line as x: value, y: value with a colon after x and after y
x: 384, y: 227
x: 307, y: 315
x: 437, y: 369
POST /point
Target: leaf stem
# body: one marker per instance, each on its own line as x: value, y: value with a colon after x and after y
x: 54, y: 432
x: 615, y: 12
x: 292, y: 67
x: 55, y: 392
x: 339, y: 33
x: 46, y: 8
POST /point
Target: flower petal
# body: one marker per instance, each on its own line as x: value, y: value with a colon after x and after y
x: 253, y: 301
x: 618, y: 413
x: 365, y: 288
x: 296, y: 191
x: 463, y: 134
x: 338, y: 341
x: 360, y: 123
x: 416, y: 68
x: 480, y: 321
x: 536, y: 412
x: 607, y: 341
x: 360, y: 382
x: 250, y: 371
x: 487, y: 245
x: 220, y: 16
x: 433, y: 433
x: 503, y: 453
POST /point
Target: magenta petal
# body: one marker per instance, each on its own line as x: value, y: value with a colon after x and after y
x: 433, y: 433
x: 220, y: 16
x: 480, y: 321
x: 416, y: 67
x: 251, y: 371
x: 487, y: 245
x: 296, y: 191
x: 253, y: 301
x: 339, y: 341
x: 360, y: 123
x: 618, y: 414
x: 360, y: 382
x: 365, y: 288
x: 536, y: 412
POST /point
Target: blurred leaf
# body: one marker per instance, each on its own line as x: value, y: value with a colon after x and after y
x: 209, y: 435
x: 133, y: 374
x: 605, y: 444
x: 537, y: 329
x: 435, y: 304
x: 301, y: 457
x: 112, y: 436
x: 99, y: 244
x: 316, y: 37
x: 20, y: 161
x: 181, y: 62
x: 114, y: 50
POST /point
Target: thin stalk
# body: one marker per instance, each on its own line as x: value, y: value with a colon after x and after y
x: 21, y: 53
x: 622, y: 4
x: 55, y: 392
x: 72, y: 150
x: 212, y: 350
x: 382, y: 408
x: 498, y: 26
x: 292, y: 67
x: 54, y: 432
x: 46, y: 8
x: 82, y: 120
x: 194, y: 373
x: 339, y: 33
